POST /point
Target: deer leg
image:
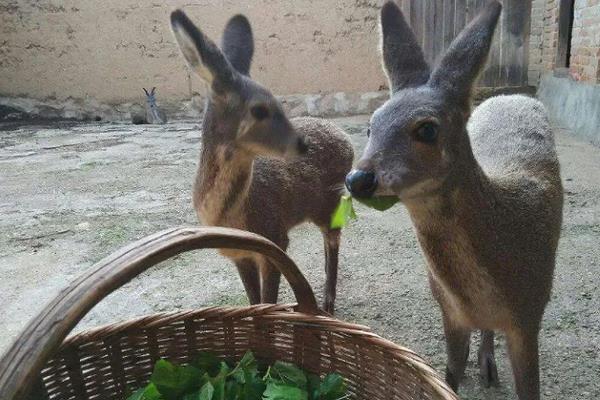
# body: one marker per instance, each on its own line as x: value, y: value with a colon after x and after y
x: 332, y: 247
x: 487, y: 362
x: 523, y: 352
x: 248, y: 271
x: 457, y: 348
x: 271, y: 278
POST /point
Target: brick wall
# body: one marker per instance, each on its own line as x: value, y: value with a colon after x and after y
x: 538, y: 8
x: 550, y: 35
x: 585, y: 44
x: 544, y: 38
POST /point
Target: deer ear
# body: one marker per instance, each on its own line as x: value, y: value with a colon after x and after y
x: 145, y: 91
x: 201, y: 53
x: 465, y: 58
x: 403, y: 58
x: 238, y: 43
x: 153, y: 91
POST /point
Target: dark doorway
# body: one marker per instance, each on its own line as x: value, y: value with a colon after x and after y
x: 566, y: 14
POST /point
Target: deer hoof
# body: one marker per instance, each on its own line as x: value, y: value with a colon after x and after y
x: 452, y: 380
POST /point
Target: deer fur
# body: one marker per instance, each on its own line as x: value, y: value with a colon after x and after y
x: 483, y: 191
x: 259, y: 171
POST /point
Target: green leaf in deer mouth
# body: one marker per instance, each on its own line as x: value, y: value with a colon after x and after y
x: 380, y: 203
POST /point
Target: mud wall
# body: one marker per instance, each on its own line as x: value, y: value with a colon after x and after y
x: 106, y: 51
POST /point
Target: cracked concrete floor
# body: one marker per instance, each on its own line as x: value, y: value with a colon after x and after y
x: 71, y: 194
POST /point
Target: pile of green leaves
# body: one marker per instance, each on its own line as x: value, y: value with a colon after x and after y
x: 208, y: 378
x: 345, y: 209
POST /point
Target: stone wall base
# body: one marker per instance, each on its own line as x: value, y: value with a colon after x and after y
x: 573, y: 105
x: 316, y: 105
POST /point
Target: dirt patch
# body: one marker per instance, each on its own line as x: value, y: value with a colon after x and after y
x: 64, y: 209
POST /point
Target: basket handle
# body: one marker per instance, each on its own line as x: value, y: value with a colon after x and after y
x: 21, y: 364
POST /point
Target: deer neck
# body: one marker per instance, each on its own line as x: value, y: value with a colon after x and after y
x: 223, y: 179
x: 456, y: 228
x: 458, y: 205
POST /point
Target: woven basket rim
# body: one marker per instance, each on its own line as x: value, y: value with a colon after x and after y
x: 284, y: 312
x: 154, y: 320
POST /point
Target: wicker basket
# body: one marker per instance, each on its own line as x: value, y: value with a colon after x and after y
x: 104, y: 363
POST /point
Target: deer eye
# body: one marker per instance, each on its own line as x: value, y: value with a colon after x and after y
x: 260, y: 112
x: 368, y: 131
x: 427, y: 132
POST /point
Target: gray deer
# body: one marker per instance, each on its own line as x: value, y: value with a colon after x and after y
x: 154, y: 115
x: 242, y: 181
x: 483, y: 191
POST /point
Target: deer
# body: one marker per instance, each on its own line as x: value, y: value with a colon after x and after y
x: 154, y: 115
x: 260, y: 171
x: 482, y: 188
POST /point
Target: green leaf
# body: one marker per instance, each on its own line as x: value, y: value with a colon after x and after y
x: 277, y: 391
x: 247, y: 360
x: 248, y: 385
x: 233, y: 391
x: 207, y: 362
x: 219, y: 389
x: 219, y: 381
x: 332, y: 388
x: 289, y: 374
x: 137, y: 395
x: 151, y: 392
x: 343, y: 213
x: 192, y: 396
x: 172, y: 381
x: 207, y: 391
x: 147, y: 393
x: 381, y: 203
x: 314, y: 384
x: 253, y: 390
x: 282, y: 381
x: 246, y: 366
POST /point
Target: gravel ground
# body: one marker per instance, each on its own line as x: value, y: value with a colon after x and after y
x: 72, y: 193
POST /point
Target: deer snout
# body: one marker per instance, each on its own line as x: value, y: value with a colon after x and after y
x: 361, y: 183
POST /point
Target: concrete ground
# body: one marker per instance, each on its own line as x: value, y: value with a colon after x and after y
x: 71, y: 194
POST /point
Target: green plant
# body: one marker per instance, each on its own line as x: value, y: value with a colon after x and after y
x: 209, y: 378
x: 345, y: 209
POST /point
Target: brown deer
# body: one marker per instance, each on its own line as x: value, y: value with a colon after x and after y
x: 242, y: 181
x: 483, y: 191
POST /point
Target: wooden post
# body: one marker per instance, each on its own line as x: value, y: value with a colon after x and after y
x: 565, y: 26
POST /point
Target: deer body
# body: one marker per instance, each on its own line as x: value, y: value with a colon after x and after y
x: 269, y: 196
x: 154, y: 115
x: 483, y: 191
x: 259, y: 171
x: 500, y: 222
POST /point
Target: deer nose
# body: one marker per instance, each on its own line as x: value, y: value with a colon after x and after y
x: 361, y: 183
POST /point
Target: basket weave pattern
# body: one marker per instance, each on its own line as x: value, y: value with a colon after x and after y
x: 108, y: 362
